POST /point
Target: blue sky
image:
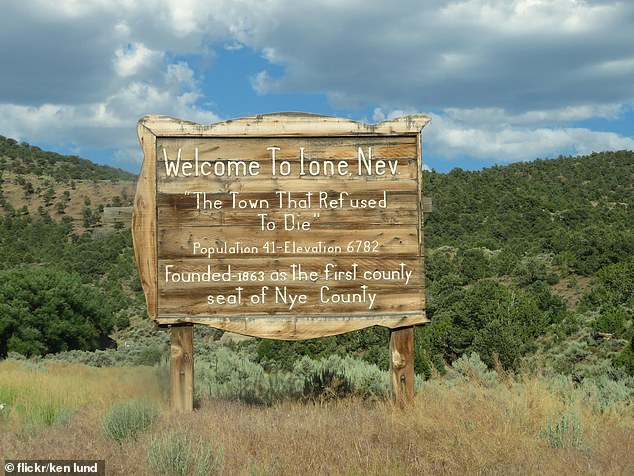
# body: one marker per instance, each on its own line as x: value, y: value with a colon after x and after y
x: 503, y: 80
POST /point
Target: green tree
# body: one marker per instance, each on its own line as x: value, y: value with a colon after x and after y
x: 28, y: 189
x: 501, y: 340
x: 49, y: 195
x: 611, y: 320
x: 617, y: 282
x: 45, y: 311
x: 474, y: 264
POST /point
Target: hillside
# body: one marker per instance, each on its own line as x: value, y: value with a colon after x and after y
x: 67, y: 278
x: 24, y: 159
x: 38, y: 183
x: 580, y: 209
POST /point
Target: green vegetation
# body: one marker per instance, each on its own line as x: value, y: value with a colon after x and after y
x: 46, y: 311
x: 175, y: 453
x: 22, y: 158
x: 529, y: 266
x: 472, y: 420
x: 506, y: 250
x: 564, y: 431
x: 527, y: 366
x: 579, y: 210
x: 127, y: 420
x: 70, y: 290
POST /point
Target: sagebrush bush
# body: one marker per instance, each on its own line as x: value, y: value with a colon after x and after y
x: 222, y: 372
x: 225, y: 373
x: 127, y: 420
x: 145, y: 351
x: 471, y: 367
x: 176, y: 454
x: 563, y: 431
x: 603, y: 393
x: 366, y: 380
x: 326, y: 384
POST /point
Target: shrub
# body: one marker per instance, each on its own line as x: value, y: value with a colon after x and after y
x: 142, y: 351
x: 603, y: 392
x: 625, y: 359
x: 611, y: 320
x: 224, y: 373
x: 472, y: 368
x: 501, y: 339
x: 616, y: 282
x: 175, y: 454
x: 563, y: 431
x: 326, y: 384
x: 127, y: 420
x: 366, y: 380
x: 535, y: 268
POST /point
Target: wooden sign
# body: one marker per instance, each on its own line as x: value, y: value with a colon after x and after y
x: 286, y: 226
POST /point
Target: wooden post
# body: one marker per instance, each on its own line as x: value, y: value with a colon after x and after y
x: 402, y: 365
x: 182, y: 367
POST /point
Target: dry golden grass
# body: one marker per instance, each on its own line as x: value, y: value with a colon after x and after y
x: 453, y: 428
x: 39, y: 392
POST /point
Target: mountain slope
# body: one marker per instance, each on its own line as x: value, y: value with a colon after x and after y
x: 22, y: 158
x: 580, y: 209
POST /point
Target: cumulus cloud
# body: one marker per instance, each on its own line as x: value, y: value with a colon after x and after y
x: 508, y: 80
x: 505, y: 78
x: 506, y: 142
x: 109, y: 123
x: 135, y: 58
x: 261, y: 83
x: 467, y: 54
x: 80, y: 74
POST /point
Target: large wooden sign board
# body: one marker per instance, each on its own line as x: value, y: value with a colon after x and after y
x: 285, y: 226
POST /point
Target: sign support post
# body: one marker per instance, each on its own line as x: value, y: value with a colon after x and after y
x: 182, y: 367
x: 402, y: 365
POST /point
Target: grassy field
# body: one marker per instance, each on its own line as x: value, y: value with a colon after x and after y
x: 512, y: 425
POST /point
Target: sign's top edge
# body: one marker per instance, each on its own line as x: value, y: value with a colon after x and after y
x: 281, y: 124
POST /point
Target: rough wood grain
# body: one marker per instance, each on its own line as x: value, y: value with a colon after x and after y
x: 308, y: 327
x: 315, y: 148
x: 402, y: 365
x: 271, y: 266
x: 285, y: 124
x: 386, y: 301
x: 267, y: 184
x: 214, y: 209
x: 144, y: 220
x: 182, y: 367
x: 395, y: 240
x: 420, y: 205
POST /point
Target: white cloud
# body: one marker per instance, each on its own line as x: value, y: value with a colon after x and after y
x: 379, y: 114
x: 534, y: 117
x: 509, y: 79
x: 507, y: 143
x: 81, y: 73
x: 261, y: 82
x: 508, y: 54
x: 108, y: 124
x: 132, y: 59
